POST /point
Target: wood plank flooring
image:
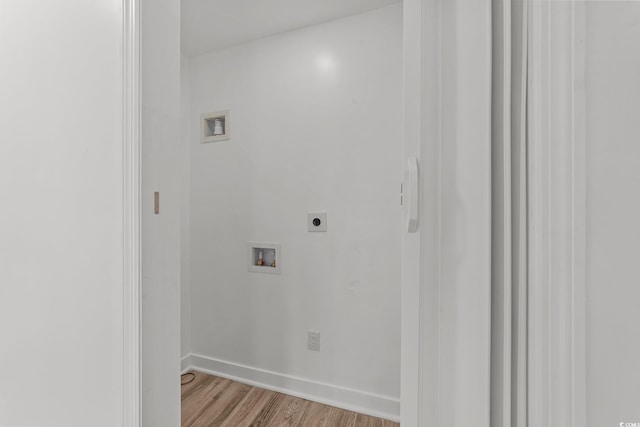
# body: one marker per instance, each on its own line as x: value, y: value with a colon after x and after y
x: 213, y: 401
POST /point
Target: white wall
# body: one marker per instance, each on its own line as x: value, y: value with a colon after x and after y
x: 613, y: 211
x: 315, y: 126
x: 161, y: 151
x: 61, y: 234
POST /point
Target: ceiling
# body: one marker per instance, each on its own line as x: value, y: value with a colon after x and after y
x: 215, y: 24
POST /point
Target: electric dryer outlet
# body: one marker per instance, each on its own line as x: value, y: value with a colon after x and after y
x: 317, y: 221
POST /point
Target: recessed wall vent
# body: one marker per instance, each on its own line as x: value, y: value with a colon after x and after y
x: 215, y: 126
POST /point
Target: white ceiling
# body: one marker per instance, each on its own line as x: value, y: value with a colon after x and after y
x: 214, y: 24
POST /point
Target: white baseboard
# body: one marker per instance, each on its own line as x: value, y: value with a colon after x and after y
x: 329, y: 394
x: 185, y: 364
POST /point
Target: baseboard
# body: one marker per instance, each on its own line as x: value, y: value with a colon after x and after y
x: 185, y: 364
x: 342, y: 397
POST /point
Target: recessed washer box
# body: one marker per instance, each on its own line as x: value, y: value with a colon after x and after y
x: 263, y: 257
x: 215, y: 127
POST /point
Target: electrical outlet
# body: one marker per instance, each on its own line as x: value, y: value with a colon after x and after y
x: 313, y: 340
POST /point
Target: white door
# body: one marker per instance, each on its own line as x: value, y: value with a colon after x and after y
x: 446, y: 297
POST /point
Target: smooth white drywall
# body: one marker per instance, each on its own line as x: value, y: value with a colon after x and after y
x: 61, y: 231
x: 211, y: 25
x: 315, y: 126
x: 161, y: 151
x: 613, y: 212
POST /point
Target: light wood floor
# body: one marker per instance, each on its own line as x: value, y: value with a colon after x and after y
x: 214, y: 401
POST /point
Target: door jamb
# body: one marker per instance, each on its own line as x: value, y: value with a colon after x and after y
x: 132, y: 224
x: 421, y: 329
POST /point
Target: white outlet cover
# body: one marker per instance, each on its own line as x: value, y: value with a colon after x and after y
x: 322, y: 216
x: 313, y: 340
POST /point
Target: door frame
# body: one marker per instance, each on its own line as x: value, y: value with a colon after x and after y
x: 557, y: 215
x: 132, y: 217
x: 446, y: 265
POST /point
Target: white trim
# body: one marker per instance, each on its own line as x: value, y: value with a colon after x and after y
x: 556, y: 213
x: 185, y: 364
x: 501, y: 248
x: 579, y: 226
x: 131, y: 213
x: 330, y: 394
x: 410, y: 369
x: 519, y: 214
